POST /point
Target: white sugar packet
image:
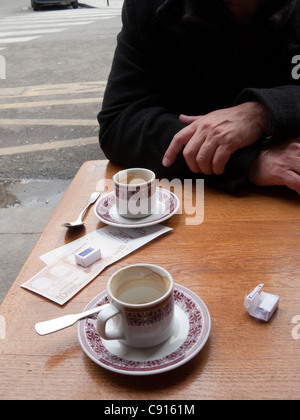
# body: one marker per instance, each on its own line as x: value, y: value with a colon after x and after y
x: 63, y: 278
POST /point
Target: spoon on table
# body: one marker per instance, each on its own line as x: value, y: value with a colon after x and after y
x: 78, y: 222
x: 53, y: 325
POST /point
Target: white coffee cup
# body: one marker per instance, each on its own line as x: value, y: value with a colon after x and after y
x: 141, y: 310
x: 135, y: 191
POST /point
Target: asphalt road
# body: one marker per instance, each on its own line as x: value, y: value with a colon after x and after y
x: 57, y: 62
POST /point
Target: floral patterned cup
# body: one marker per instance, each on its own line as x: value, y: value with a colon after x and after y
x: 141, y: 310
x: 135, y: 191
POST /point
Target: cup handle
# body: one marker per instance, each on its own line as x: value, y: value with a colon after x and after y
x: 103, y: 317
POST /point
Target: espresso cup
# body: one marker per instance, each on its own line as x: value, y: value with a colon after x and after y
x: 135, y: 191
x: 141, y: 309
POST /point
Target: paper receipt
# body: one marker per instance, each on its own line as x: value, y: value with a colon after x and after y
x: 63, y: 277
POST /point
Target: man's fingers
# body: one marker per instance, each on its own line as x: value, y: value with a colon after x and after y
x: 177, y: 144
x: 188, y: 119
x: 191, y: 151
x: 220, y: 159
x: 291, y: 179
x: 289, y: 169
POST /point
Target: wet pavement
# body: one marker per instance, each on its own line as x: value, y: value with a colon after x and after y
x: 31, y: 193
x: 25, y: 208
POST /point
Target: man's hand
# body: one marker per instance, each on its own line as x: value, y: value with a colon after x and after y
x: 278, y: 165
x: 208, y: 141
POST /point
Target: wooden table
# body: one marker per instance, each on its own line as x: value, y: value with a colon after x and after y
x: 243, y: 241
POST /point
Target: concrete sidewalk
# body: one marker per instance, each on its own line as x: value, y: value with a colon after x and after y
x: 25, y: 208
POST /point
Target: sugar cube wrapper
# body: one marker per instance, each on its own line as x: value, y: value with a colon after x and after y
x: 261, y: 305
x: 87, y: 256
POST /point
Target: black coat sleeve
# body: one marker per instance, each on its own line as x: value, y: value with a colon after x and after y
x: 135, y: 126
x: 283, y: 102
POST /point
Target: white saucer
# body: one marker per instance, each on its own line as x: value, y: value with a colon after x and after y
x: 106, y: 211
x: 191, y: 331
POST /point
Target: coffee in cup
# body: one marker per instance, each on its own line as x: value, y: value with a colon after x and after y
x: 141, y: 310
x: 135, y: 191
